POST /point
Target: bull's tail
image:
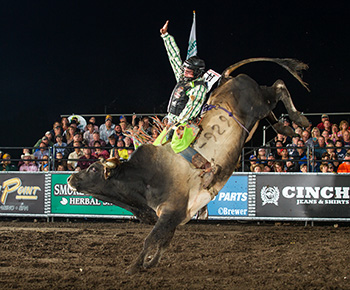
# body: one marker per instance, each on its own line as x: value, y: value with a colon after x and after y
x: 295, y: 67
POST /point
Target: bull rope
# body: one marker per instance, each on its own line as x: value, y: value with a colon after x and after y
x: 207, y: 107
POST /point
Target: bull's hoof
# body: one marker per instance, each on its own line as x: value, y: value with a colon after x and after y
x: 133, y: 269
x: 284, y: 130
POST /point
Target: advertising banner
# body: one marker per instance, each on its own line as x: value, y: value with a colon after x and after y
x: 66, y: 201
x: 22, y: 193
x: 301, y: 195
x: 232, y: 200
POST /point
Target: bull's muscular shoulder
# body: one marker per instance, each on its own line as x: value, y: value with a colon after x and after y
x: 143, y: 153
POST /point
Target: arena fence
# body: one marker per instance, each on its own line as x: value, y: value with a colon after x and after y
x: 246, y: 196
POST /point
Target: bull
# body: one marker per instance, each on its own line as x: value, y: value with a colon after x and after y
x: 162, y: 188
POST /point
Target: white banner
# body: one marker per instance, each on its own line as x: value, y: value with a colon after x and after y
x: 192, y: 43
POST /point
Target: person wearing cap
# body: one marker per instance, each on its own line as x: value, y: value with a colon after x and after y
x: 6, y: 164
x: 28, y: 163
x: 345, y: 166
x: 45, y: 140
x: 320, y: 125
x: 106, y: 129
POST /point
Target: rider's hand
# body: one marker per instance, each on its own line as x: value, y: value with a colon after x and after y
x: 164, y: 29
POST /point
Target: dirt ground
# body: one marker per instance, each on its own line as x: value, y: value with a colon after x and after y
x: 95, y: 255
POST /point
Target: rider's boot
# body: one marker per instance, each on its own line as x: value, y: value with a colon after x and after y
x: 208, y: 171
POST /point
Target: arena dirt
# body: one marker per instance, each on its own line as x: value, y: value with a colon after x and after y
x: 95, y: 255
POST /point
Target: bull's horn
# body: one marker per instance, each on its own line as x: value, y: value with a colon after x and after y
x: 111, y: 163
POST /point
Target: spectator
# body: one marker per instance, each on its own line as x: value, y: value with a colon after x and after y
x: 24, y: 151
x: 112, y: 142
x: 74, y: 156
x: 64, y: 123
x: 343, y: 126
x: 60, y: 161
x: 128, y: 126
x: 267, y: 168
x: 346, y: 138
x: 334, y: 133
x: 324, y: 167
x: 86, y: 160
x: 61, y: 167
x: 339, y: 150
x: 107, y: 128
x: 88, y: 134
x: 333, y: 159
x: 78, y: 137
x: 326, y: 136
x: 284, y: 156
x: 327, y: 126
x: 44, y: 140
x: 122, y: 151
x: 99, y: 152
x: 257, y: 168
x: 59, y: 145
x: 324, y: 117
x: 292, y: 166
x: 146, y: 125
x: 331, y: 168
x: 278, y: 150
x: 271, y: 161
x: 314, y: 166
x: 92, y: 120
x: 321, y: 148
x: 75, y: 123
x: 6, y: 164
x: 298, y: 131
x: 303, y: 168
x: 305, y: 136
x: 28, y: 163
x: 252, y: 161
x: 41, y: 153
x: 315, y: 132
x: 96, y: 137
x: 69, y: 134
x: 301, y: 152
x: 118, y: 132
x: 262, y: 158
x: 292, y: 148
x: 128, y: 143
x: 44, y: 164
x: 345, y: 166
x: 279, y: 167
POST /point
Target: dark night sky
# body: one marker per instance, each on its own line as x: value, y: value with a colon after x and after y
x: 63, y: 57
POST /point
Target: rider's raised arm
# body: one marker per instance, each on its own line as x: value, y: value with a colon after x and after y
x: 172, y: 50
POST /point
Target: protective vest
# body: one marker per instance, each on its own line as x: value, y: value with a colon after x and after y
x: 178, y: 98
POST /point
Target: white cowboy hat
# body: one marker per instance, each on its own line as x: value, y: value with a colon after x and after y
x: 27, y: 154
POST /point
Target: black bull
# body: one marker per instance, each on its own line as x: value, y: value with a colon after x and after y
x: 161, y: 187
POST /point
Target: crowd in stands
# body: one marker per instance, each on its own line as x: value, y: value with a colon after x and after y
x: 72, y: 147
x: 69, y: 146
x: 324, y: 148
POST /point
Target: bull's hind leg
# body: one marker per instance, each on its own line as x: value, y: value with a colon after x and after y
x: 159, y: 239
x: 284, y: 96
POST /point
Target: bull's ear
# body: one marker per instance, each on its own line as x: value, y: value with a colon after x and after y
x: 109, y: 165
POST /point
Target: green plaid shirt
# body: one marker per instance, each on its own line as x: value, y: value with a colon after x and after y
x: 193, y: 107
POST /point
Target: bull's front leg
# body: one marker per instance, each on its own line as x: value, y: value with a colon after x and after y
x: 159, y: 238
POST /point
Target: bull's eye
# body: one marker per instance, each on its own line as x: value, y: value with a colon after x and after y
x: 92, y: 169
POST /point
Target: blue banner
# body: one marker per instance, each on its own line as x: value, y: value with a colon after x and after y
x: 232, y: 200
